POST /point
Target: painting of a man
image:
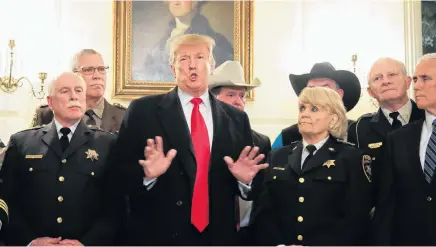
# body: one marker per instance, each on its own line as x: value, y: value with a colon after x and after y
x: 162, y: 21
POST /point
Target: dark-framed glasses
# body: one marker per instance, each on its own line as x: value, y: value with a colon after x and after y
x: 91, y: 70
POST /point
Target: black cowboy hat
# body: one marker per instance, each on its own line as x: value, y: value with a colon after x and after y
x: 346, y: 80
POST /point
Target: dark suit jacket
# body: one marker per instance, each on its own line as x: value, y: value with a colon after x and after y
x: 51, y: 193
x: 319, y: 205
x: 292, y: 134
x: 405, y: 213
x: 262, y: 141
x: 111, y: 118
x: 162, y: 215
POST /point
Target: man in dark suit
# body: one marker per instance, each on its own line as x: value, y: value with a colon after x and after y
x: 228, y: 85
x: 388, y: 83
x: 53, y: 176
x: 405, y: 213
x: 89, y: 64
x: 345, y: 83
x: 183, y: 192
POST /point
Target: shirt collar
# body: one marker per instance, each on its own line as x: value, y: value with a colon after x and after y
x: 99, y: 108
x: 185, y: 98
x: 59, y: 126
x: 429, y: 121
x: 405, y: 111
x: 318, y: 145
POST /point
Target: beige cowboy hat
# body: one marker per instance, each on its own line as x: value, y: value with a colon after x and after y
x: 231, y: 74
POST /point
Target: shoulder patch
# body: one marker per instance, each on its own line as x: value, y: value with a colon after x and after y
x: 32, y: 128
x: 366, y: 165
x: 118, y: 105
x: 367, y: 115
x: 345, y: 142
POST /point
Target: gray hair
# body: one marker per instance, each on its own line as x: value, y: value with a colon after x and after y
x: 427, y: 56
x: 402, y: 66
x: 52, y: 83
x: 81, y: 53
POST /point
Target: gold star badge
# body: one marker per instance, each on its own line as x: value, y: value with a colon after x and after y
x: 91, y: 154
x: 329, y: 163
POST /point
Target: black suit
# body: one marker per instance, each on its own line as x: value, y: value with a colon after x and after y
x: 405, y: 213
x: 162, y: 215
x: 318, y: 205
x: 262, y: 141
x: 51, y: 193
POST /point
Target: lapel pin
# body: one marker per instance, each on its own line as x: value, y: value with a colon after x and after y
x: 91, y: 154
x: 329, y: 163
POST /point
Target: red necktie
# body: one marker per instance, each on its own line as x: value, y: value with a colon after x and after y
x: 200, y: 141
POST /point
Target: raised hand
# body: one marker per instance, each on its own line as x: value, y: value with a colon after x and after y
x: 246, y: 167
x: 156, y: 163
x: 70, y: 242
x: 45, y: 241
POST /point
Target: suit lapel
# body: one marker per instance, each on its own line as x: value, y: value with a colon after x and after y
x: 51, y: 138
x: 412, y: 149
x: 294, y: 158
x: 173, y: 121
x: 417, y: 114
x: 81, y: 135
x: 220, y: 128
x: 108, y: 119
x: 380, y: 124
x: 321, y: 156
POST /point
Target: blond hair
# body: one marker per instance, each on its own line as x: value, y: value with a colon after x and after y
x: 81, y: 53
x: 191, y: 39
x: 329, y: 100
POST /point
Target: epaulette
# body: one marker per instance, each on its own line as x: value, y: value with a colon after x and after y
x: 368, y: 115
x: 118, y: 105
x: 96, y: 128
x: 32, y: 128
x: 43, y: 106
x: 345, y: 142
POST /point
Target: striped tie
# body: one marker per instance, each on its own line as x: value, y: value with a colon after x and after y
x: 430, y: 155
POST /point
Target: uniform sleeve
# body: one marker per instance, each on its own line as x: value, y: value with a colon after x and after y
x: 351, y: 136
x: 19, y: 232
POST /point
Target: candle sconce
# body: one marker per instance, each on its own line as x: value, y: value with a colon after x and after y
x: 9, y: 83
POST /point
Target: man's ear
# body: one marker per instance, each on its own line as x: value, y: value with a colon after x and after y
x: 370, y: 92
x: 49, y: 102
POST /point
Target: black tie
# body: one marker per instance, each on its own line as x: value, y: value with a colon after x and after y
x: 91, y: 120
x: 64, y: 139
x: 395, y: 123
x: 311, y: 149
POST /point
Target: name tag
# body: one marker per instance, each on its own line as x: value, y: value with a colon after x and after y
x: 278, y: 168
x: 33, y: 156
x: 375, y: 145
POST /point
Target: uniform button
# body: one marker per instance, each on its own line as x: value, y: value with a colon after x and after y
x: 429, y: 198
x: 59, y: 220
x: 329, y: 178
x: 300, y: 218
x: 300, y: 237
x: 92, y: 173
x: 61, y: 179
x: 174, y: 235
x: 64, y: 161
x: 30, y: 169
x: 301, y: 180
x: 60, y: 198
x: 179, y: 203
x: 274, y: 177
x: 301, y: 199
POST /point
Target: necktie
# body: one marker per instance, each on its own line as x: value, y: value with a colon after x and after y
x: 200, y: 141
x: 430, y: 155
x: 395, y: 123
x: 311, y: 149
x: 91, y: 120
x: 64, y: 138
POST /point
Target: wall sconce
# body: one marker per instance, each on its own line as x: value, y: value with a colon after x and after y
x: 354, y: 60
x: 9, y: 83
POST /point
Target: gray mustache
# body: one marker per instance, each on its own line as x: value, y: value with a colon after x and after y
x: 74, y: 103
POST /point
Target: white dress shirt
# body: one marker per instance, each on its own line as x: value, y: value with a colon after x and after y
x: 427, y: 129
x: 306, y: 153
x: 59, y: 127
x: 404, y: 113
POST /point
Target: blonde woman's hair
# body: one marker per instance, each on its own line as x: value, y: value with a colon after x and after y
x: 78, y: 55
x: 191, y: 39
x: 331, y: 101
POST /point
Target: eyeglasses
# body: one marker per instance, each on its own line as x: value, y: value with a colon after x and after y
x: 91, y: 70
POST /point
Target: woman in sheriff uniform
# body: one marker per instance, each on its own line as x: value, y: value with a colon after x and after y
x: 317, y: 191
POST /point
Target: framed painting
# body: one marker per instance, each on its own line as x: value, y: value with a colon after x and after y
x: 428, y: 22
x: 142, y: 30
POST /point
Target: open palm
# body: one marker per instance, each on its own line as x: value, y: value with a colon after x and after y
x: 156, y: 163
x: 247, y: 165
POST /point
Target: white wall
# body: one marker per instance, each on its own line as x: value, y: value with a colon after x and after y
x: 300, y: 33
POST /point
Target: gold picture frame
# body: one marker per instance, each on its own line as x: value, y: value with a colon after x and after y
x: 127, y: 88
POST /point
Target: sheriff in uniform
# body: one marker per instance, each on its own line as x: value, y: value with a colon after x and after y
x: 315, y: 193
x: 53, y: 176
x: 89, y: 64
